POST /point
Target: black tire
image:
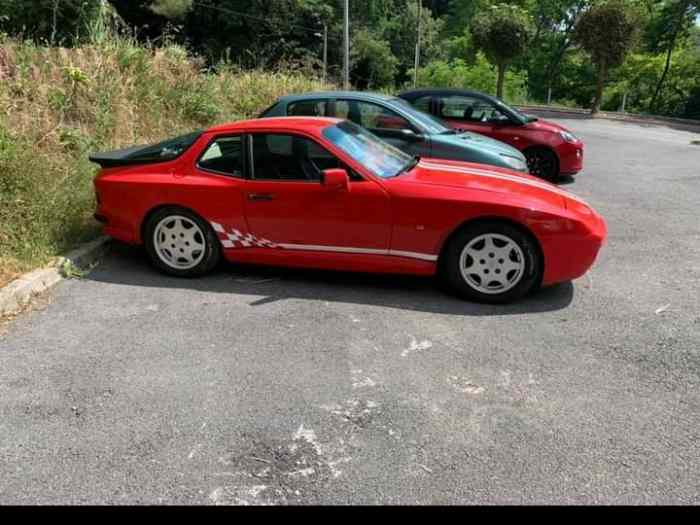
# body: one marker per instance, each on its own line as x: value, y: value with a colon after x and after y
x: 210, y: 253
x: 542, y: 163
x: 522, y: 281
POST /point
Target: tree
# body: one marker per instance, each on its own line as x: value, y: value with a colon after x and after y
x: 460, y: 14
x: 54, y: 21
x: 255, y: 33
x: 502, y: 32
x: 554, y: 24
x: 372, y: 64
x: 400, y: 30
x: 607, y: 31
x: 172, y: 9
x: 676, y: 18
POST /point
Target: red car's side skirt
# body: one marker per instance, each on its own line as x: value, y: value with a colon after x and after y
x: 333, y: 260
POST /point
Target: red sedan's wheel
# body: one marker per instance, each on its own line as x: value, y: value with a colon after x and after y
x: 542, y: 163
x: 492, y: 262
x: 181, y: 243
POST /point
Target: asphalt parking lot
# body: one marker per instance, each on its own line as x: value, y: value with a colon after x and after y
x: 265, y: 386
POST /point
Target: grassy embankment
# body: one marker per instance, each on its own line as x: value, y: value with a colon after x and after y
x: 57, y: 105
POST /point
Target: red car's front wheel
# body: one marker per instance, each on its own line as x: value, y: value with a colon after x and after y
x: 542, y: 163
x: 492, y: 262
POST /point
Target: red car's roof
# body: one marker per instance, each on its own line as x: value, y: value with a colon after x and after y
x: 275, y: 122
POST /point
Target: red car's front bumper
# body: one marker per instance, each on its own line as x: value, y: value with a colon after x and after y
x: 570, y: 255
x: 570, y: 157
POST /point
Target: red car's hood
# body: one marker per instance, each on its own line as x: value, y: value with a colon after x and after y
x: 465, y: 175
x: 545, y: 125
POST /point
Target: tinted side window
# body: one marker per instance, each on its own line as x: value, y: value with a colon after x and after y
x: 283, y: 157
x: 224, y: 155
x: 468, y: 108
x: 369, y: 115
x: 167, y: 150
x: 422, y: 103
x: 457, y: 107
x: 288, y: 157
x: 307, y: 108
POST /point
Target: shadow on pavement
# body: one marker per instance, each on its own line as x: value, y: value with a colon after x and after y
x: 564, y: 180
x: 128, y: 265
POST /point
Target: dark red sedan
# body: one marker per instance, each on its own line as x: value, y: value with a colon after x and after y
x: 551, y: 150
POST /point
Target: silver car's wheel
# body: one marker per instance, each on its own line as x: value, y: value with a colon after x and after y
x: 492, y: 263
x: 179, y: 242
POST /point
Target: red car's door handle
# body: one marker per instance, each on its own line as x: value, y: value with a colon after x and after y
x: 261, y: 196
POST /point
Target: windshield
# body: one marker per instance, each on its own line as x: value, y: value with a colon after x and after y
x: 381, y: 158
x: 430, y: 124
x: 519, y: 114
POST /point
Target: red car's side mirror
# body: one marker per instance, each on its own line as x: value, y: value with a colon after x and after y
x: 336, y: 180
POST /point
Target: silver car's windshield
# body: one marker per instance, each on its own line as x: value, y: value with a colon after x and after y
x: 431, y: 124
x: 381, y: 158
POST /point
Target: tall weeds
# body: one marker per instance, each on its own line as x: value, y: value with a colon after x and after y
x: 58, y: 104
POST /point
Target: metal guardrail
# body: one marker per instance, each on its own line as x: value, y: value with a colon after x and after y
x: 690, y: 124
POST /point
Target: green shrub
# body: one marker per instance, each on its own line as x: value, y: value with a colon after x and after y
x: 480, y: 76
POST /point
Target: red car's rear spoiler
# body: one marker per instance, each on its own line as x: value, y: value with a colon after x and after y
x: 147, y: 154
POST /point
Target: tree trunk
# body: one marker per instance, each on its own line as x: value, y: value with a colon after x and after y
x: 671, y: 45
x: 53, y: 23
x: 602, y: 75
x: 554, y: 63
x: 501, y: 76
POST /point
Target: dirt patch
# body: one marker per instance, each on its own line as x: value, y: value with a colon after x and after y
x: 7, y: 275
x: 279, y: 473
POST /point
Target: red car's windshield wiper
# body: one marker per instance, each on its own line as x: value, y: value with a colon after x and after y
x: 408, y: 167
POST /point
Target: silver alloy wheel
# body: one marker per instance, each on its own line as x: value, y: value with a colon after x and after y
x: 492, y: 263
x: 179, y: 242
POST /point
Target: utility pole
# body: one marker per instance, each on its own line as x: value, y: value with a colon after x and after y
x: 417, y: 61
x: 346, y: 45
x: 53, y: 25
x: 325, y: 51
x: 624, y: 102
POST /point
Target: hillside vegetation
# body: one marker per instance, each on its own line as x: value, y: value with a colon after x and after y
x: 59, y: 104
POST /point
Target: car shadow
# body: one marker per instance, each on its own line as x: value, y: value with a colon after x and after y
x: 564, y: 180
x: 128, y: 265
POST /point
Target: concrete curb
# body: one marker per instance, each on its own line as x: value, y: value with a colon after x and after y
x: 20, y: 291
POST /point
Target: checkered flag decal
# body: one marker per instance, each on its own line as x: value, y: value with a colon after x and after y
x: 236, y: 239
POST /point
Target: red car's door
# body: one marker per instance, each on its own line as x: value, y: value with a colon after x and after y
x: 286, y: 203
x: 221, y: 197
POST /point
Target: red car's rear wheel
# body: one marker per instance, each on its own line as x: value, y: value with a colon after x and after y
x: 180, y: 243
x: 492, y: 262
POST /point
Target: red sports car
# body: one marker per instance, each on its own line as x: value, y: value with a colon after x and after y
x: 326, y: 193
x: 551, y: 150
